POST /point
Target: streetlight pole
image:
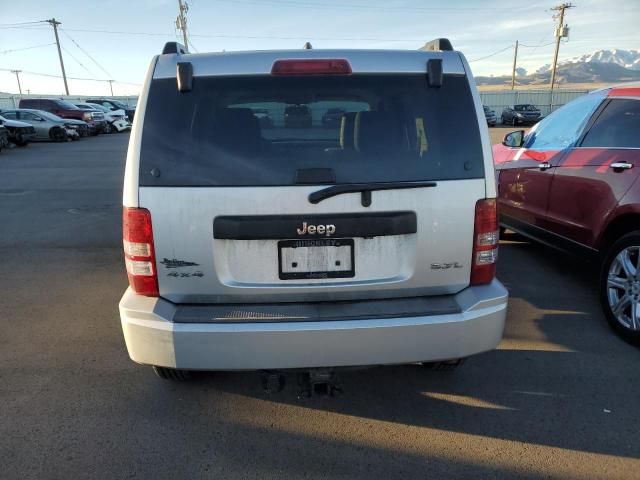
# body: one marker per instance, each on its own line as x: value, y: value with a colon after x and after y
x: 111, y: 86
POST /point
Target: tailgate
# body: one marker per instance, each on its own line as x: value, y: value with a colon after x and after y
x: 194, y: 266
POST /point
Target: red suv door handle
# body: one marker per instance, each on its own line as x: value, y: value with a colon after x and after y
x: 619, y: 166
x: 544, y: 166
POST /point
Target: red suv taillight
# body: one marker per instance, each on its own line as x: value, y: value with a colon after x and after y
x: 139, y: 255
x: 486, y: 235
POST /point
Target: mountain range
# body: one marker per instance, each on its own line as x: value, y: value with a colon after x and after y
x: 602, y: 66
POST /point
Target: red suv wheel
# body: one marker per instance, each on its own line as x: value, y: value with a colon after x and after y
x: 620, y: 286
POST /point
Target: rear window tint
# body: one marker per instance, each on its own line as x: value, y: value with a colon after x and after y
x: 268, y: 131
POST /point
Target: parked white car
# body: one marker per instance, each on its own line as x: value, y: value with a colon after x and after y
x: 117, y: 120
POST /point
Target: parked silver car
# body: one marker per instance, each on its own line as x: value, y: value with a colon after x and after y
x: 47, y: 125
x: 371, y: 243
x: 20, y: 133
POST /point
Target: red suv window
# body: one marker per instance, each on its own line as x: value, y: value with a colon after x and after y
x: 617, y: 126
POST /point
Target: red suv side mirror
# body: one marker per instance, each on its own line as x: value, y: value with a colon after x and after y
x: 514, y: 139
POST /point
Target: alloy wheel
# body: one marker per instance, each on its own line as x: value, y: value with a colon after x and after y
x: 623, y: 287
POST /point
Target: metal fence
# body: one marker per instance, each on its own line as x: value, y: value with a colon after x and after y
x: 12, y: 101
x: 545, y: 100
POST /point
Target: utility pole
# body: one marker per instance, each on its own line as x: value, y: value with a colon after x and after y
x: 111, y: 86
x: 55, y: 24
x: 17, y: 72
x: 513, y: 70
x: 181, y: 22
x: 561, y: 31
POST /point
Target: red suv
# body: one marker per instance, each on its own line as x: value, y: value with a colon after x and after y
x: 572, y: 182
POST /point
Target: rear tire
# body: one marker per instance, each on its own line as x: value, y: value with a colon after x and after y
x: 620, y: 287
x: 108, y: 128
x: 172, y: 374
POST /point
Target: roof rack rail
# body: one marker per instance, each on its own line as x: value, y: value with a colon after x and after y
x: 442, y: 44
x: 174, y: 47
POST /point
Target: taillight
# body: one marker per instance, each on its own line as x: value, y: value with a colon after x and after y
x: 311, y: 67
x: 139, y: 255
x: 486, y: 236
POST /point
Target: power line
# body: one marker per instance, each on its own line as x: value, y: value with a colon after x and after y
x: 86, y: 53
x: 311, y: 37
x: 537, y: 46
x: 21, y: 23
x: 70, y: 78
x: 431, y: 10
x: 251, y: 37
x: 26, y: 48
x: 115, y: 32
x: 267, y: 37
x: 78, y: 61
x: 491, y: 55
x: 193, y: 46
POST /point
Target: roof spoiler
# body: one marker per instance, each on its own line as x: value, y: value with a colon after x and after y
x: 441, y: 44
x: 174, y: 47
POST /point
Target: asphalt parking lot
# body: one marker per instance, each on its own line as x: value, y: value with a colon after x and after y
x: 559, y: 398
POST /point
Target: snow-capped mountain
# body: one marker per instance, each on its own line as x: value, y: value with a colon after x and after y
x: 629, y: 59
x: 602, y: 66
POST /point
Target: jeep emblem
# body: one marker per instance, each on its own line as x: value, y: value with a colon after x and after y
x: 327, y: 230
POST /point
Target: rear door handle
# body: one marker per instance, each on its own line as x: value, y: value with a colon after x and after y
x: 621, y: 165
x: 544, y: 166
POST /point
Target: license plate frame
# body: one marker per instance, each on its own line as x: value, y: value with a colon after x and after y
x: 319, y: 243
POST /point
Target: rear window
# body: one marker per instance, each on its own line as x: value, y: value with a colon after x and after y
x: 270, y: 131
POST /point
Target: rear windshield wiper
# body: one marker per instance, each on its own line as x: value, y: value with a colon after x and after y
x: 365, y: 189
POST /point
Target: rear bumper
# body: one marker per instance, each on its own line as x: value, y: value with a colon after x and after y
x: 153, y: 339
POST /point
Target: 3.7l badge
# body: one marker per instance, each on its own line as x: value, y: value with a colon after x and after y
x: 445, y: 266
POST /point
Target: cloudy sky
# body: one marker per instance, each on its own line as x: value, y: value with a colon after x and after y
x: 116, y: 38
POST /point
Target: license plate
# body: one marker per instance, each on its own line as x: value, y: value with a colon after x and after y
x: 322, y: 258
